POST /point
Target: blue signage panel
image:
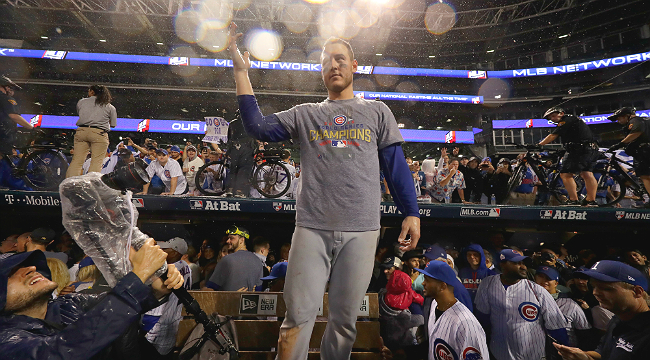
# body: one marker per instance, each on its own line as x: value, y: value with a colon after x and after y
x: 460, y: 99
x: 198, y: 127
x: 542, y: 123
x: 365, y: 69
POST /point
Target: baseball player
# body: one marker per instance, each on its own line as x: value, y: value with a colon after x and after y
x: 454, y: 332
x: 517, y: 312
x: 344, y: 141
x: 547, y: 277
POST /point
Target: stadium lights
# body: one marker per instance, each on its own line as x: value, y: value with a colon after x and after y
x: 490, y: 51
x: 448, y: 120
x: 160, y: 43
x: 432, y: 56
x: 400, y: 125
x: 563, y: 36
x: 379, y: 54
x: 102, y: 40
x: 44, y: 37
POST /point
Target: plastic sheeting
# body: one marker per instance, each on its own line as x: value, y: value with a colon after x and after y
x: 102, y: 222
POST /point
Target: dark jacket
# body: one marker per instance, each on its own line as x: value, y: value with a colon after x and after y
x: 472, y: 278
x: 76, y: 326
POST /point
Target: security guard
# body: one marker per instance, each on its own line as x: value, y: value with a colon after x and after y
x: 636, y: 141
x: 9, y: 115
x: 581, y: 154
x: 241, y: 149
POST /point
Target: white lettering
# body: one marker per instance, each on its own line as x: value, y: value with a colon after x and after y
x: 559, y: 69
x: 516, y: 73
x: 9, y: 198
x: 621, y: 60
x: 265, y: 64
x: 632, y: 58
x: 570, y: 68
x: 601, y: 63
x: 645, y: 56
x: 223, y: 63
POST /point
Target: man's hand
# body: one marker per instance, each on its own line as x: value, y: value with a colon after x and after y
x: 571, y: 353
x: 443, y: 152
x: 67, y: 290
x: 174, y: 281
x: 455, y: 151
x: 147, y: 260
x: 239, y: 62
x: 166, y: 193
x: 410, y: 226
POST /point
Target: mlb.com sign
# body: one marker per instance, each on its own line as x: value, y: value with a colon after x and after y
x: 478, y: 212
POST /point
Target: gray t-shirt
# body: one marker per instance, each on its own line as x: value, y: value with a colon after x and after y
x: 90, y: 114
x: 339, y: 140
x: 237, y: 270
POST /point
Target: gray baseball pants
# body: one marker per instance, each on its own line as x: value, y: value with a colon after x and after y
x: 347, y: 260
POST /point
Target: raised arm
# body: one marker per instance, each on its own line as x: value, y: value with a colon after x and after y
x: 266, y: 128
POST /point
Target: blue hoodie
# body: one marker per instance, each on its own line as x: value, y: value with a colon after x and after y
x: 472, y: 278
x: 76, y: 326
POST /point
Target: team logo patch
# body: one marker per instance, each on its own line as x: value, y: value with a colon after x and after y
x: 620, y: 215
x: 196, y: 204
x: 168, y: 174
x: 340, y: 120
x: 13, y: 102
x: 277, y: 206
x: 137, y: 202
x: 471, y: 353
x: 339, y: 143
x: 629, y: 126
x: 529, y: 311
x: 442, y: 351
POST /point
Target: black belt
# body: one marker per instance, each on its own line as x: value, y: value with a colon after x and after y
x: 90, y: 126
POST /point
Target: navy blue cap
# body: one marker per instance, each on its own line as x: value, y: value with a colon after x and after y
x: 549, y: 271
x: 163, y: 151
x: 510, y: 255
x: 279, y: 271
x: 615, y: 271
x: 441, y: 271
x: 391, y: 261
x: 175, y: 148
x: 31, y: 258
x: 435, y: 252
x: 87, y: 261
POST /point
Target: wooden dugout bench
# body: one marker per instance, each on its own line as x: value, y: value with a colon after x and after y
x: 259, y: 338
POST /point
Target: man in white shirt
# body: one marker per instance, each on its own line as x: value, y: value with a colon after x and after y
x: 190, y: 166
x: 169, y: 172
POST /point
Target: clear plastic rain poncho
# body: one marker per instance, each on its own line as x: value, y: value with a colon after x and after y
x: 102, y: 222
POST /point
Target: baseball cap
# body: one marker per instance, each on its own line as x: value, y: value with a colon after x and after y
x: 43, y: 235
x: 615, y: 271
x: 504, y: 160
x: 622, y: 112
x: 411, y: 254
x: 473, y: 158
x: 549, y: 271
x: 87, y: 261
x: 511, y: 255
x: 5, y: 81
x: 440, y: 271
x: 161, y: 151
x: 31, y: 258
x: 191, y: 147
x: 434, y: 252
x: 391, y: 261
x: 554, y: 109
x: 278, y: 271
x: 175, y: 148
x: 176, y: 243
x: 487, y: 158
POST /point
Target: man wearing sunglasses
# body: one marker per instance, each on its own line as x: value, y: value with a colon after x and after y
x: 241, y: 270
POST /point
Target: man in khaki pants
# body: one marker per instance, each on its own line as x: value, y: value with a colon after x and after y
x: 96, y: 116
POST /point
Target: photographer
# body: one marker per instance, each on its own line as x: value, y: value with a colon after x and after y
x: 74, y: 326
x: 636, y: 142
x: 581, y: 154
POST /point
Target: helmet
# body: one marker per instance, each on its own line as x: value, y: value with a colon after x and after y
x: 554, y: 109
x: 5, y: 81
x: 622, y: 112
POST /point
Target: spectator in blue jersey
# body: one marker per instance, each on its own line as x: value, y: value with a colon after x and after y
x: 525, y: 193
x: 474, y: 269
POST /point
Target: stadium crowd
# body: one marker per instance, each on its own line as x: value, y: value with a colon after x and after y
x: 584, y: 298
